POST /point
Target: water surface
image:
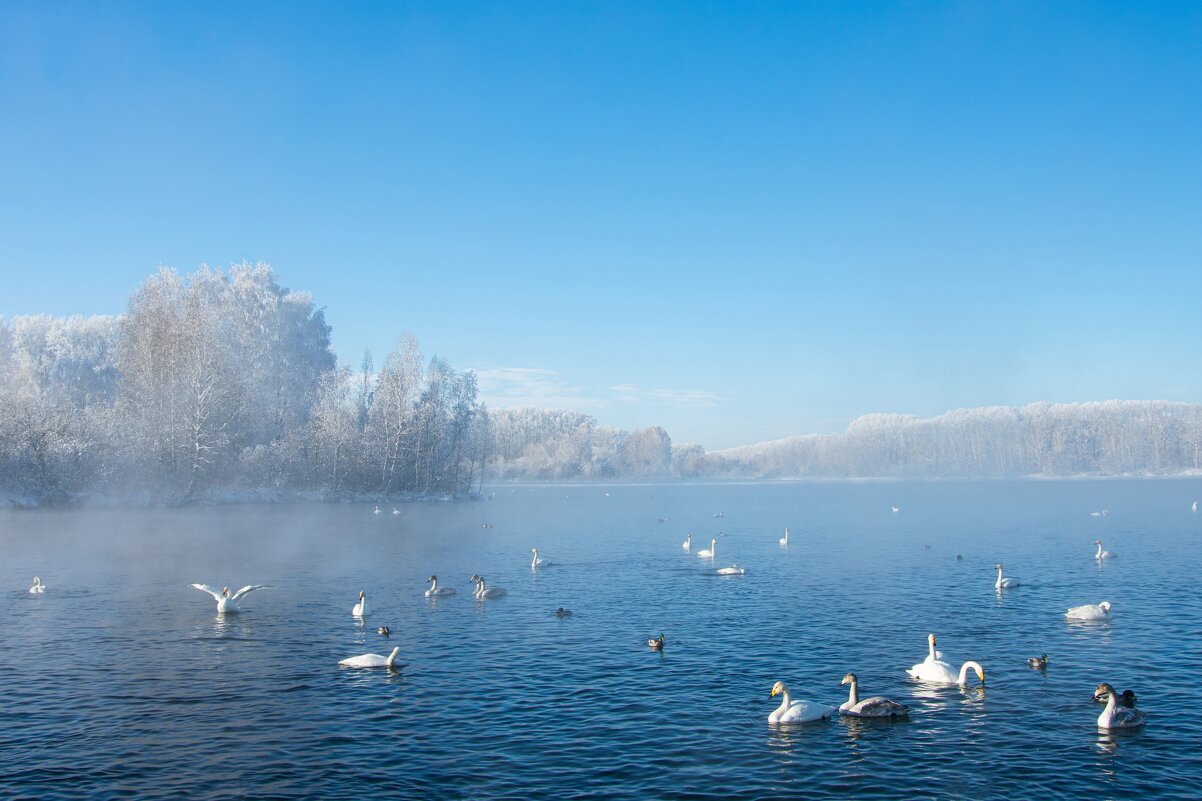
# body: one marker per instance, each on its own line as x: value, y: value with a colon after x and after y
x: 121, y: 682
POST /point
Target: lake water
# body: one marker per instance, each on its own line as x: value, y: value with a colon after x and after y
x: 121, y: 682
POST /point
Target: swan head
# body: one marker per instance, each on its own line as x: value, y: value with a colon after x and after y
x: 931, y: 639
x: 980, y: 671
x: 361, y: 595
x: 998, y: 566
x: 1097, y: 542
x: 1103, y: 691
x: 432, y: 578
x: 474, y: 579
x: 850, y: 678
x: 778, y: 688
x: 37, y: 581
x: 225, y: 592
x: 1105, y: 606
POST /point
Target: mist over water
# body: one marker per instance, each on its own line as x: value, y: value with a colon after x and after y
x: 120, y: 681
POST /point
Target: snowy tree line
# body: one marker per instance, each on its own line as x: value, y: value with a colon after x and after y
x: 1109, y: 438
x: 224, y: 382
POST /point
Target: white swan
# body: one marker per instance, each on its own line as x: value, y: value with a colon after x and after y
x: 785, y: 539
x: 1103, y: 554
x: 360, y: 609
x: 38, y: 587
x: 482, y: 591
x: 1098, y: 611
x: 876, y: 707
x: 438, y: 592
x: 934, y: 670
x: 688, y: 543
x: 1194, y: 508
x: 536, y: 561
x: 895, y: 509
x: 1003, y: 583
x: 708, y: 553
x: 799, y: 711
x: 1115, y: 716
x: 227, y: 603
x: 371, y: 660
x: 376, y: 511
x: 396, y: 511
x: 733, y: 570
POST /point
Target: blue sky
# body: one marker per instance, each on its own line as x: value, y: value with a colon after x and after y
x: 738, y: 221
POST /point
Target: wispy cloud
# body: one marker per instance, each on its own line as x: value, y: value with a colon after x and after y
x: 507, y: 387
x: 694, y: 398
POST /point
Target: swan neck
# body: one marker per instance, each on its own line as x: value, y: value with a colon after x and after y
x: 1110, y: 704
x: 964, y: 671
x: 784, y: 702
x: 854, y: 697
x: 1099, y: 553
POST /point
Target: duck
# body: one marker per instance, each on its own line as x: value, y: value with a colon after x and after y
x: 1098, y: 611
x: 791, y: 711
x: 536, y: 562
x: 561, y: 612
x: 483, y: 591
x: 38, y: 587
x: 384, y: 630
x: 1115, y: 716
x: 227, y: 603
x: 875, y: 707
x: 437, y: 592
x: 688, y: 543
x: 656, y: 644
x: 708, y: 553
x: 372, y: 660
x: 934, y: 670
x: 1040, y: 662
x: 1103, y: 554
x: 959, y: 557
x: 1126, y: 698
x: 785, y: 539
x: 1003, y: 583
x: 360, y: 609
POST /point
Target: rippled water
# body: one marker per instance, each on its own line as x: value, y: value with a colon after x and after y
x: 120, y: 681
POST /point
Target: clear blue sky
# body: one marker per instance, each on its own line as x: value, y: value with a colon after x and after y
x: 738, y: 221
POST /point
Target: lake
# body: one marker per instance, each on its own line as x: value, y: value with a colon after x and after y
x: 120, y: 681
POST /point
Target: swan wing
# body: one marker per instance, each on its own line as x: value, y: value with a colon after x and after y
x: 805, y: 711
x: 939, y: 672
x: 365, y: 660
x: 249, y: 588
x: 206, y: 588
x: 876, y: 707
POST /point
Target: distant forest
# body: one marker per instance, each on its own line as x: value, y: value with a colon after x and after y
x: 223, y: 384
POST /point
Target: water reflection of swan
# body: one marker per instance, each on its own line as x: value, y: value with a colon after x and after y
x: 227, y: 603
x: 876, y: 707
x: 360, y: 609
x: 38, y: 587
x: 1098, y: 611
x: 1102, y: 554
x: 438, y: 592
x: 1003, y: 583
x: 483, y: 591
x: 796, y: 711
x: 371, y: 660
x: 1115, y: 716
x: 708, y: 553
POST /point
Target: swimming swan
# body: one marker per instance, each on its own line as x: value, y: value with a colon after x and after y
x: 227, y: 603
x: 688, y: 543
x: 785, y: 539
x: 482, y: 591
x: 372, y: 660
x: 1103, y: 554
x: 536, y: 562
x: 733, y: 570
x: 1098, y: 611
x: 791, y: 711
x: 875, y: 707
x: 1115, y: 716
x: 438, y: 592
x: 38, y: 587
x: 360, y: 609
x: 1003, y: 583
x: 934, y: 670
x: 708, y: 553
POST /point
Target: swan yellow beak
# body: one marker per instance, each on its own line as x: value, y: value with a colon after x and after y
x: 774, y: 691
